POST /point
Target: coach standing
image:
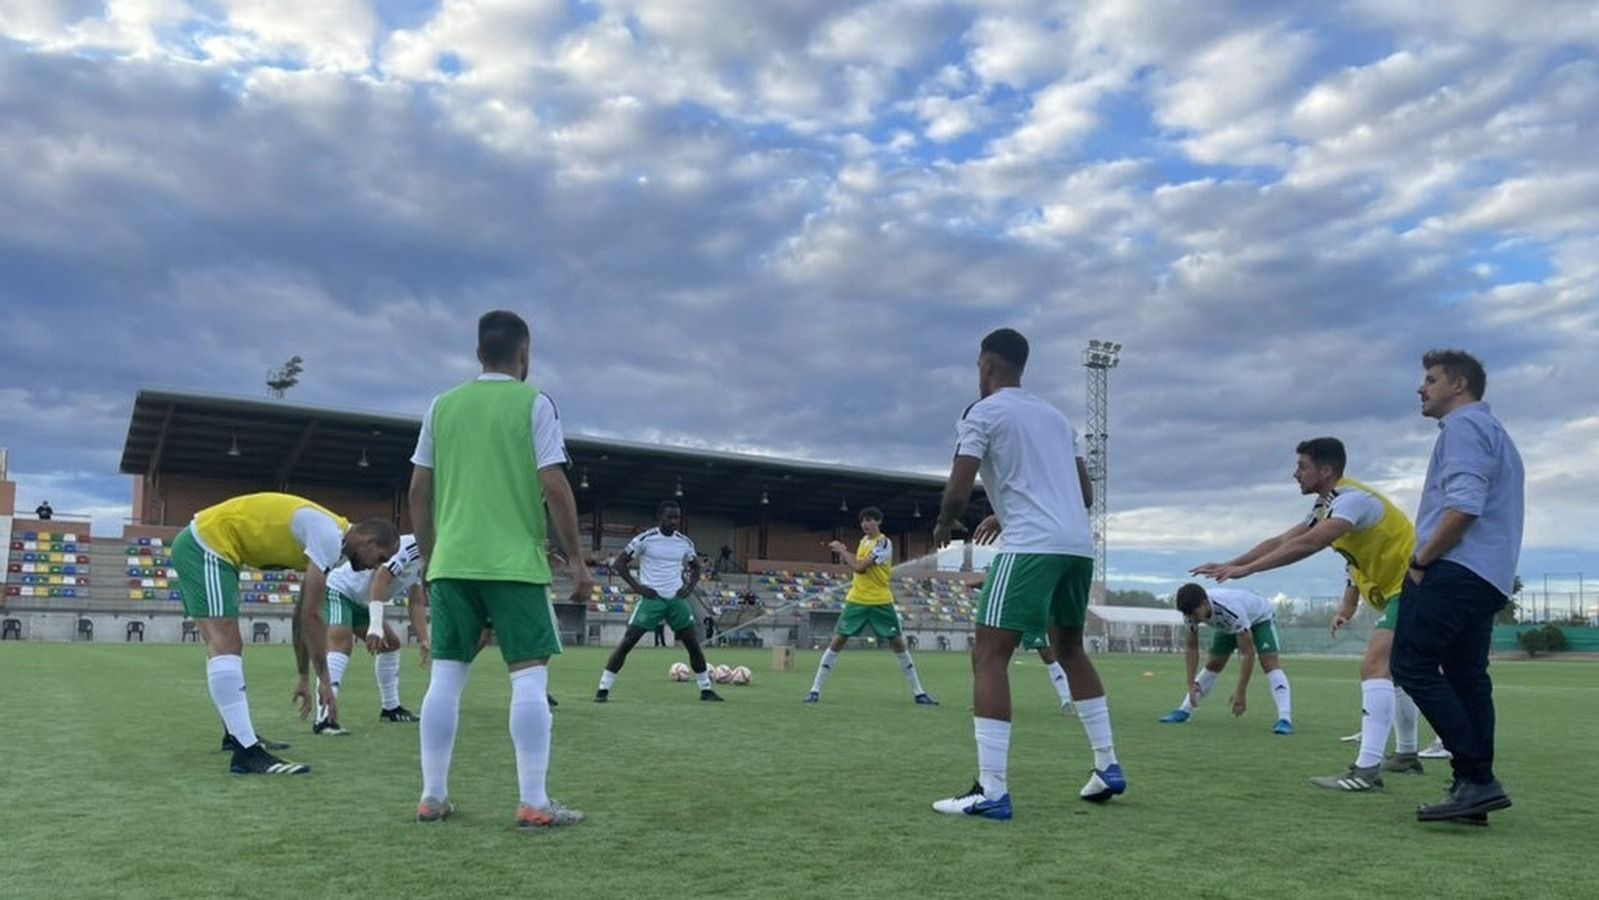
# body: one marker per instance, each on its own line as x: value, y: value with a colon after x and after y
x: 1468, y: 539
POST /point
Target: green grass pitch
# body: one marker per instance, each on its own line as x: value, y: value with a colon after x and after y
x: 114, y: 787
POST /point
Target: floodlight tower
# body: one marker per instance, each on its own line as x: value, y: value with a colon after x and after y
x: 1099, y: 358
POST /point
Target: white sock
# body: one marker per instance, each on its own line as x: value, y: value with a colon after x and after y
x: 1278, y: 679
x: 441, y: 710
x: 530, y: 732
x: 1376, y: 717
x: 387, y: 668
x: 1205, y: 680
x: 704, y: 679
x: 225, y: 676
x: 993, y: 753
x: 607, y: 678
x: 1057, y: 676
x: 337, y: 663
x: 1095, y: 716
x: 1407, y: 723
x: 829, y: 660
x: 911, y: 678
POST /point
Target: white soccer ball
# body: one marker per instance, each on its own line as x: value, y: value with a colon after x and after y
x: 722, y: 674
x: 679, y: 672
x: 742, y: 675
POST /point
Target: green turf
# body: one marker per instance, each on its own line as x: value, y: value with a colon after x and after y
x: 114, y: 787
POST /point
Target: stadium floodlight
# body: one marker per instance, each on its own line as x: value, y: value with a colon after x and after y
x: 233, y: 449
x: 583, y: 483
x: 679, y: 492
x: 765, y: 500
x: 362, y: 462
x: 1099, y: 358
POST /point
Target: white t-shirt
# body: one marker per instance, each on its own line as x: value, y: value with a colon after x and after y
x: 1357, y: 507
x: 405, y: 566
x: 1235, y: 611
x: 661, y: 559
x: 549, y: 441
x: 315, y: 530
x: 1029, y: 455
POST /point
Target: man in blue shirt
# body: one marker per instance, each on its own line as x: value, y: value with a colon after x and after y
x: 1468, y: 540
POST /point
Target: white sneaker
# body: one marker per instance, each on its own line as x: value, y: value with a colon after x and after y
x: 1351, y: 738
x: 1436, y: 750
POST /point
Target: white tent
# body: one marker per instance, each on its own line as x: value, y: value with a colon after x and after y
x: 1134, y: 629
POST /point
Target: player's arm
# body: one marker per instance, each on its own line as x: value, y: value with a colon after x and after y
x: 314, y: 628
x: 1253, y: 553
x: 693, y: 576
x: 422, y: 510
x: 1246, y: 667
x: 382, y: 584
x: 957, y: 495
x: 622, y: 568
x: 1088, y: 486
x: 1451, y: 528
x: 563, y: 516
x: 1346, y: 609
x: 1307, y: 542
x: 416, y: 606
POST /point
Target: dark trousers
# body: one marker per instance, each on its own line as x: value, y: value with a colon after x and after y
x: 1440, y: 658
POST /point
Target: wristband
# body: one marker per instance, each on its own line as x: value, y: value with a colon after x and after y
x: 374, y: 611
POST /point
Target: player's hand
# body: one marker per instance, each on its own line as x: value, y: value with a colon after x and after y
x: 425, y: 648
x: 1207, y: 569
x: 648, y: 593
x: 838, y: 547
x: 987, y: 531
x: 330, y: 707
x: 1226, y: 573
x: 1339, y: 621
x: 302, y: 696
x: 582, y: 581
x: 1238, y: 704
x: 374, y: 643
x: 943, y: 531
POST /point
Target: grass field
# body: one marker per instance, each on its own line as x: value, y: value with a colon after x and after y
x: 113, y: 786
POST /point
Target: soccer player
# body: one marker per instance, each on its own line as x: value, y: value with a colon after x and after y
x: 1024, y: 449
x: 1242, y: 621
x: 1376, y: 540
x: 355, y: 605
x: 491, y: 455
x: 869, y: 604
x: 668, y: 571
x: 268, y: 531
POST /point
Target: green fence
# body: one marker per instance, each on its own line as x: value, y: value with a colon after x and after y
x: 1581, y: 638
x: 1352, y: 641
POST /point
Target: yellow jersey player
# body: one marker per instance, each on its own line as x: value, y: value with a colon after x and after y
x: 869, y: 604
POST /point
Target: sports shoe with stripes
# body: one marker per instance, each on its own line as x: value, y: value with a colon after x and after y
x: 257, y: 761
x: 1104, y: 784
x: 230, y: 745
x: 431, y: 810
x: 1356, y: 780
x: 975, y: 803
x: 555, y: 815
x: 329, y: 728
x: 397, y: 714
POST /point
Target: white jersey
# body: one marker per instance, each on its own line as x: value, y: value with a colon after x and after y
x: 1028, y: 450
x: 1235, y: 611
x: 405, y: 566
x: 661, y: 559
x: 549, y: 439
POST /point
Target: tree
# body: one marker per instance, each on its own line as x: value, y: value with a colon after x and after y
x: 1136, y: 598
x: 278, y: 382
x: 1508, y: 613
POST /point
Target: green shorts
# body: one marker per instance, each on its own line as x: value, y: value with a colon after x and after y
x: 1029, y: 592
x: 524, y: 620
x: 882, y: 618
x: 341, y: 609
x: 210, y: 584
x: 1390, y: 615
x: 1265, y: 634
x: 676, y: 613
x: 1036, y: 640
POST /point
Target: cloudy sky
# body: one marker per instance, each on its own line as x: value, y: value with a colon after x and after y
x: 782, y: 226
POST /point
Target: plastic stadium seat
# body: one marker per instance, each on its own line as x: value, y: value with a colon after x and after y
x: 144, y: 542
x: 175, y: 595
x: 16, y: 545
x: 14, y: 568
x: 13, y: 591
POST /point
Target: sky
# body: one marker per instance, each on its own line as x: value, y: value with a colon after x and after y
x: 782, y: 227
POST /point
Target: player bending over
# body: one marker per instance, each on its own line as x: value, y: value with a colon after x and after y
x: 1242, y: 621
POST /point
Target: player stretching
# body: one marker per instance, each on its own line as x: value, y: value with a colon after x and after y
x: 1024, y: 448
x: 1242, y: 621
x: 664, y: 554
x: 1376, y: 540
x: 355, y: 605
x: 869, y: 604
x: 267, y: 531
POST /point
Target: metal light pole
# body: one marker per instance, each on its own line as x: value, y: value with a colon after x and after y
x: 1099, y: 358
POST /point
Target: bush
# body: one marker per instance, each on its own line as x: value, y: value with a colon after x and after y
x: 1548, y: 639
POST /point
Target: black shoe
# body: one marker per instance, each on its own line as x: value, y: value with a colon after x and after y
x: 603, y: 695
x: 257, y: 761
x: 551, y: 701
x: 1479, y: 820
x: 328, y: 728
x: 397, y: 714
x: 710, y: 696
x: 230, y: 744
x: 1464, y: 801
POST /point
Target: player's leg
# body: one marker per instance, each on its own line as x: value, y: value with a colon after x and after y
x: 338, y: 611
x: 1376, y: 719
x: 458, y: 619
x: 210, y: 587
x: 1269, y: 648
x: 1221, y: 650
x: 528, y: 634
x: 850, y: 623
x: 887, y: 625
x: 1057, y: 674
x: 680, y: 618
x: 630, y: 639
x: 1068, y: 613
x: 386, y: 666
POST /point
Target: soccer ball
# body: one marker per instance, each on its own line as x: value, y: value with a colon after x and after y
x: 742, y: 675
x: 679, y: 672
x: 722, y: 674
